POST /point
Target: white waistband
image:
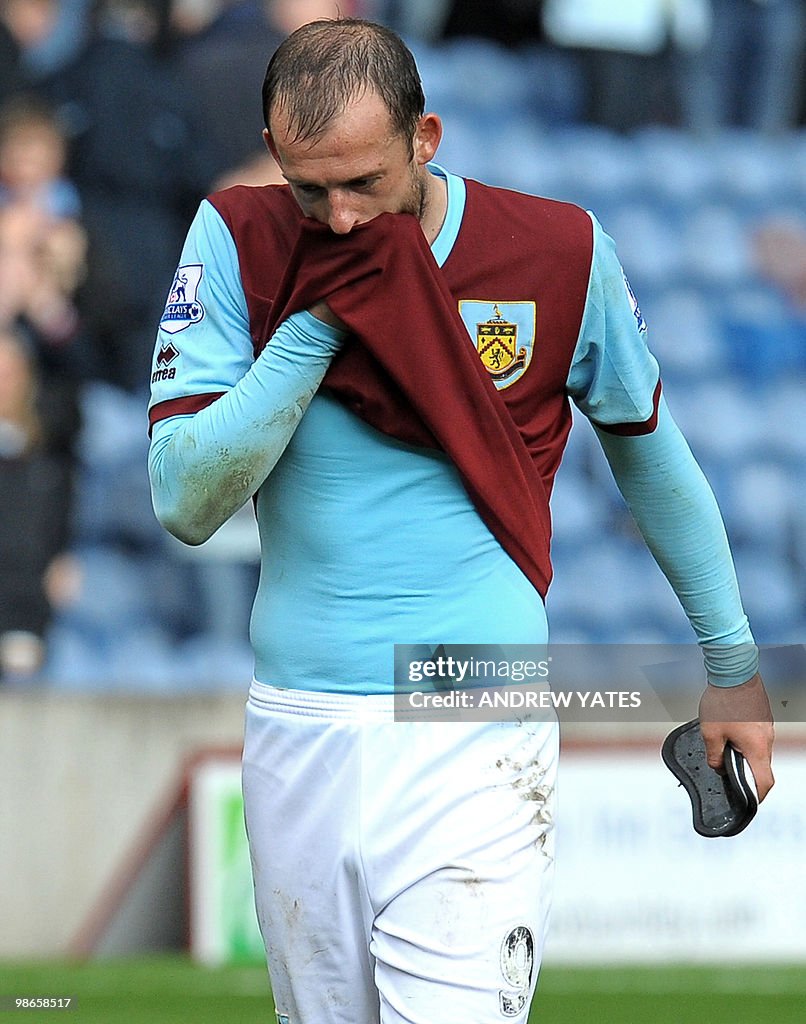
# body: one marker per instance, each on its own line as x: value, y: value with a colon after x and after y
x: 315, y: 704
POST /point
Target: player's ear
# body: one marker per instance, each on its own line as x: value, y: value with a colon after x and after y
x: 427, y: 137
x: 269, y: 141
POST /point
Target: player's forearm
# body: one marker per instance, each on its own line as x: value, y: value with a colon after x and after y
x: 677, y: 514
x: 204, y: 467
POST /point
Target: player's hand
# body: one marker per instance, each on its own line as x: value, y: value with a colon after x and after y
x: 323, y: 312
x: 740, y: 715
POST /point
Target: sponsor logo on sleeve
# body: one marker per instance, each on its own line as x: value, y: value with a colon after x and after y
x: 163, y: 369
x: 636, y: 312
x: 183, y: 307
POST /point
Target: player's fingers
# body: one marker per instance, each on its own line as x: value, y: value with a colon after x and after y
x: 762, y: 773
x: 758, y: 760
x: 322, y: 311
x: 757, y: 751
x: 715, y: 752
x: 754, y: 740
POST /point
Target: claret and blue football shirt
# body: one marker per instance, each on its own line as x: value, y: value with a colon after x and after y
x: 368, y: 540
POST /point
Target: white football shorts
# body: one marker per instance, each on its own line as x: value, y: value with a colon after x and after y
x: 403, y: 870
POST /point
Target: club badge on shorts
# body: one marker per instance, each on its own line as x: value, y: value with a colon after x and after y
x: 183, y: 307
x: 517, y: 967
x: 504, y: 335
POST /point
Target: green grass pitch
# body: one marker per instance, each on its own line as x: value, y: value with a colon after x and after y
x: 173, y: 990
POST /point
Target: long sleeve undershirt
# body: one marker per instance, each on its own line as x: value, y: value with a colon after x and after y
x: 675, y: 510
x: 205, y: 466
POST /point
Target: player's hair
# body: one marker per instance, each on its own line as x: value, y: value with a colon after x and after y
x: 321, y: 67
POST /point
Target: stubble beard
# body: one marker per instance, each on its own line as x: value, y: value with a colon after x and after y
x: 416, y: 202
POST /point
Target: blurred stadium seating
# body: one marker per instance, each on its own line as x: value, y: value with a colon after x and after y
x: 732, y: 350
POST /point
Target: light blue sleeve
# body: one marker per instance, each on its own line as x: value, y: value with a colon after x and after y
x: 613, y: 380
x: 613, y: 374
x: 677, y: 514
x: 203, y: 341
x: 203, y: 467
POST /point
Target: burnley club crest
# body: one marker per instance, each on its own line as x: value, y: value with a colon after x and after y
x: 504, y: 337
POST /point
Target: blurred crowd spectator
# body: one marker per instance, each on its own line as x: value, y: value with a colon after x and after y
x: 42, y: 262
x: 33, y: 153
x: 43, y: 253
x: 37, y: 571
x: 139, y: 157
x: 213, y: 40
x: 748, y: 69
x: 780, y: 250
x: 702, y: 64
x: 118, y: 116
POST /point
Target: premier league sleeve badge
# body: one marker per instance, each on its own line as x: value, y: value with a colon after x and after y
x: 183, y: 307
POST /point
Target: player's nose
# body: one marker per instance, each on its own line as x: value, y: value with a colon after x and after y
x: 342, y: 217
